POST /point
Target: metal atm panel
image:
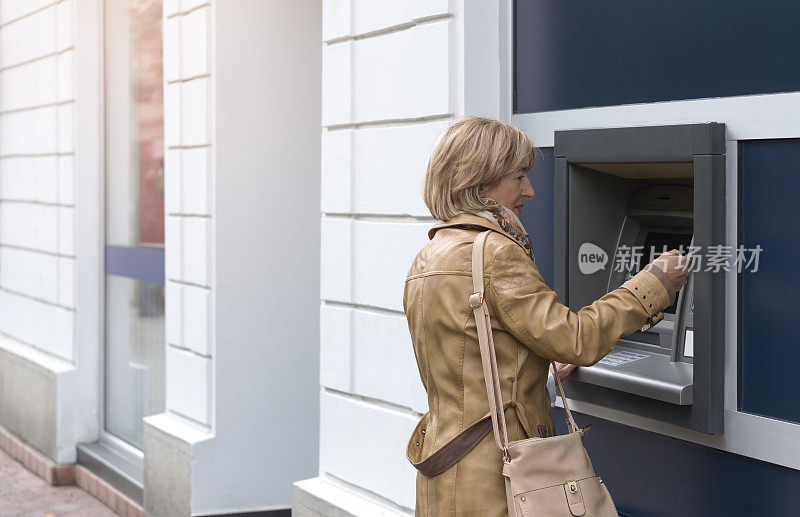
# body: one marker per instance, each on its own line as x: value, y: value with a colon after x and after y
x: 651, y: 186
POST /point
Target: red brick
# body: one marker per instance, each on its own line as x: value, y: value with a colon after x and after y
x: 23, y: 493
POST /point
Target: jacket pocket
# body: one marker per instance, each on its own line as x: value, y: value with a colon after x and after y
x: 587, y: 496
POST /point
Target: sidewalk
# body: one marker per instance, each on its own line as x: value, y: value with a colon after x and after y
x: 23, y: 493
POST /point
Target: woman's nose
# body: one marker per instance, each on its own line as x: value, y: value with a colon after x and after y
x: 527, y: 190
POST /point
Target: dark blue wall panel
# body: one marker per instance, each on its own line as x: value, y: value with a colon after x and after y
x: 537, y: 214
x: 572, y: 54
x: 651, y: 475
x: 769, y: 345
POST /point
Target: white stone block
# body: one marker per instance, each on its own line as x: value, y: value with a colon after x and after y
x: 196, y: 241
x: 195, y: 181
x: 65, y: 76
x: 65, y: 128
x: 370, y: 16
x: 383, y: 253
x: 384, y: 366
x: 55, y: 330
x: 336, y: 259
x: 18, y: 178
x: 432, y: 94
x: 337, y: 87
x: 187, y: 5
x: 195, y: 112
x: 336, y: 16
x: 187, y: 381
x: 46, y: 171
x: 66, y: 231
x: 13, y: 10
x: 19, y: 224
x: 19, y: 317
x: 66, y: 282
x: 29, y: 132
x: 172, y: 115
x: 173, y: 197
x: 13, y: 269
x: 48, y: 228
x: 64, y: 25
x: 402, y: 75
x: 173, y: 313
x: 336, y: 171
x: 389, y: 168
x: 20, y: 271
x: 194, y: 43
x: 197, y: 313
x: 172, y: 48
x: 173, y: 247
x: 365, y: 445
x: 171, y: 7
x: 66, y: 181
x: 25, y: 86
x: 28, y: 38
x: 47, y: 276
x: 426, y: 8
x: 335, y: 347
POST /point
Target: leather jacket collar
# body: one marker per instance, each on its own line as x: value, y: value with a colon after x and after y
x: 467, y: 220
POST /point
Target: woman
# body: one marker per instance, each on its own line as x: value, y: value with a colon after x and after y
x: 476, y: 181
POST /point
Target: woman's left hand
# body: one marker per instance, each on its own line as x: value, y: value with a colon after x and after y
x: 563, y: 369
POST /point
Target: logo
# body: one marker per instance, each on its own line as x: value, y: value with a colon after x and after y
x: 591, y: 258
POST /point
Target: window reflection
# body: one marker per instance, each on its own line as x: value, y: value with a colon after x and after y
x: 135, y: 334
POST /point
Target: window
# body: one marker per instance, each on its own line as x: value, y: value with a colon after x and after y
x: 768, y: 192
x: 581, y: 54
x: 134, y: 215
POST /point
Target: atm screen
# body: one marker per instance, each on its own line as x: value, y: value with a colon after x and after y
x: 656, y: 243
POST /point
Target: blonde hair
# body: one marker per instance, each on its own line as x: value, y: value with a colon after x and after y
x: 472, y: 153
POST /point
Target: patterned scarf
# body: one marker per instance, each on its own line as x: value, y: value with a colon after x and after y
x: 510, y: 223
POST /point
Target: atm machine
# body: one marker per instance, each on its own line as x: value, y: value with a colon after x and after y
x: 635, y: 192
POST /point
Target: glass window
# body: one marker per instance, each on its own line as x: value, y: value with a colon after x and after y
x: 135, y: 336
x: 581, y: 54
x: 768, y: 192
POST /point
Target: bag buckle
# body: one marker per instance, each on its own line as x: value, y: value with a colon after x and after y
x: 572, y: 490
x: 476, y: 299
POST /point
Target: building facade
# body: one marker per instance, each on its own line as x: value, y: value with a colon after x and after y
x: 207, y: 211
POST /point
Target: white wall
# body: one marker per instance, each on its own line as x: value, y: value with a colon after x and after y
x: 37, y: 198
x: 242, y: 116
x: 50, y: 83
x: 394, y: 76
x: 188, y: 175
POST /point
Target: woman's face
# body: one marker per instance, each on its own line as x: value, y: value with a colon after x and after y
x: 511, y: 191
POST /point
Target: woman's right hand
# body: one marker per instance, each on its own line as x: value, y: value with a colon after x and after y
x: 675, y: 266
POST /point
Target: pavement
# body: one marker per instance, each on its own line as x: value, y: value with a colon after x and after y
x: 24, y: 494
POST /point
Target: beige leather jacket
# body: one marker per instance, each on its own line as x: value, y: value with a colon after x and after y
x: 530, y: 326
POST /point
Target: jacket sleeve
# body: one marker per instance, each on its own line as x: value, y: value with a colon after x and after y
x: 532, y: 312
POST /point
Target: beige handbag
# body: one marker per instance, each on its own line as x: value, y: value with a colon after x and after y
x: 544, y: 476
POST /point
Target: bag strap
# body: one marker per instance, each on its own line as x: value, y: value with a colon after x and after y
x: 486, y: 342
x: 451, y: 453
x: 477, y: 301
